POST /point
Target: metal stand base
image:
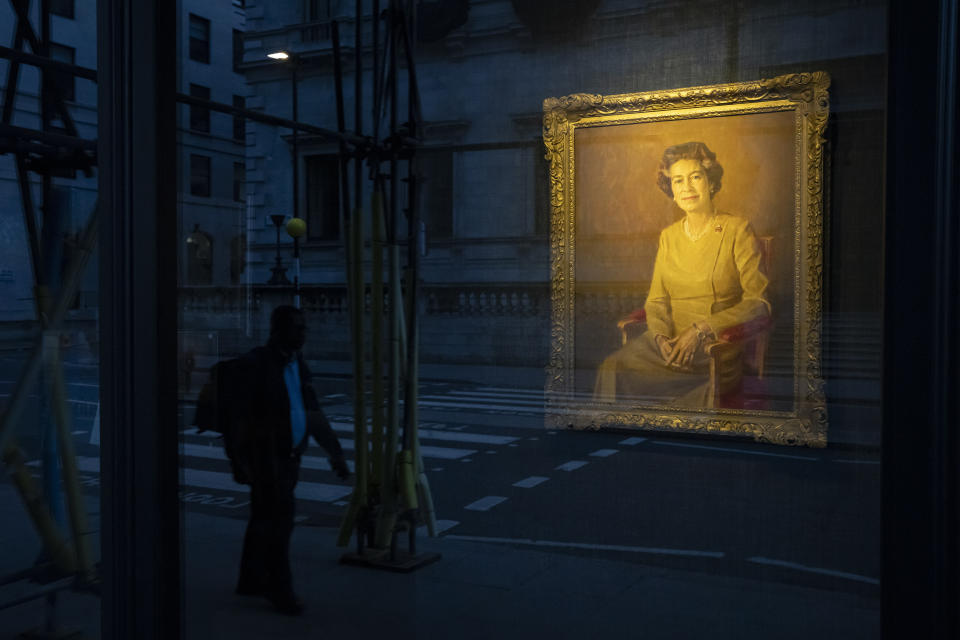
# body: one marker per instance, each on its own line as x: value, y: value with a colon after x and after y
x: 380, y: 559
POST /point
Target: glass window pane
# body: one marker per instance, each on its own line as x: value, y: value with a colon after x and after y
x: 199, y: 116
x: 62, y: 8
x: 200, y: 175
x: 50, y: 339
x: 64, y: 81
x: 199, y: 39
x: 323, y: 200
x: 647, y: 315
x: 239, y: 124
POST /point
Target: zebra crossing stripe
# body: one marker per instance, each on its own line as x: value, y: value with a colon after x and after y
x: 450, y: 436
x: 468, y: 405
x: 508, y: 390
x: 533, y: 402
x: 447, y: 453
x: 215, y: 452
x: 313, y: 491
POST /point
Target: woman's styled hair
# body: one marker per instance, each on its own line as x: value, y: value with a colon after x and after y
x: 690, y: 151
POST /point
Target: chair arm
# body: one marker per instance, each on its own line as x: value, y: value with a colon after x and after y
x: 637, y: 317
x: 746, y: 330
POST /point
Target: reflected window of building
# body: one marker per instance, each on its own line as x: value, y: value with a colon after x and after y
x: 199, y: 257
x: 199, y: 39
x: 317, y: 11
x: 436, y: 192
x: 199, y: 175
x: 541, y: 196
x: 237, y: 50
x: 239, y: 174
x: 238, y: 258
x: 323, y: 197
x: 65, y: 81
x: 199, y: 116
x: 239, y: 122
x: 62, y: 8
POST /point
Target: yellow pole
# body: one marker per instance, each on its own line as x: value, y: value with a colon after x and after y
x: 388, y: 510
x: 57, y: 548
x: 71, y: 477
x: 376, y: 338
x: 355, y: 292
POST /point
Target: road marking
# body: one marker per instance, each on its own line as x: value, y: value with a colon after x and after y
x: 629, y: 442
x: 479, y: 438
x: 447, y: 453
x: 511, y: 401
x: 490, y: 453
x: 441, y: 526
x: 505, y: 390
x: 801, y: 567
x: 603, y: 453
x: 595, y: 547
x: 485, y: 504
x: 533, y: 438
x: 431, y: 434
x: 468, y: 405
x: 216, y: 452
x: 573, y: 465
x: 78, y: 433
x: 844, y: 461
x: 194, y: 431
x: 466, y: 460
x: 529, y: 483
x: 733, y: 450
x: 313, y: 491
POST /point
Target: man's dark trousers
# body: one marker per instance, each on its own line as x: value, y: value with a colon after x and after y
x: 265, y: 563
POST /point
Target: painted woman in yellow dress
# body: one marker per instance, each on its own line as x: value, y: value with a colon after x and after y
x: 706, y: 278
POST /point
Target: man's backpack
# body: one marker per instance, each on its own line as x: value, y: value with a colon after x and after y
x: 222, y: 407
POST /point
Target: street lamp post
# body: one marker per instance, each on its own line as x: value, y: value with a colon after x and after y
x: 279, y: 271
x: 294, y: 61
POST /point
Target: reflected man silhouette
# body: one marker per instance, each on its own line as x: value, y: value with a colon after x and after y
x: 281, y: 410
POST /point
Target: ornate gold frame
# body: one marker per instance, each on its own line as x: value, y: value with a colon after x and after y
x: 806, y: 95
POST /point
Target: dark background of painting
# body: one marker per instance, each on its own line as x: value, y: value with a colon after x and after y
x: 620, y: 212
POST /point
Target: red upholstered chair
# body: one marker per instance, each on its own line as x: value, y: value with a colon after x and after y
x: 739, y: 350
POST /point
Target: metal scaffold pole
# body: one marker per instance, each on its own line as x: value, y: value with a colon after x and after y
x: 391, y: 495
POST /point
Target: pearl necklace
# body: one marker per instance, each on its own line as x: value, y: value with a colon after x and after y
x: 711, y: 223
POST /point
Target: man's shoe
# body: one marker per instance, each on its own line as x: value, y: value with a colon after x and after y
x: 287, y: 603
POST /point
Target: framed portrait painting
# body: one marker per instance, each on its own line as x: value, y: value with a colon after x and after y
x: 686, y: 256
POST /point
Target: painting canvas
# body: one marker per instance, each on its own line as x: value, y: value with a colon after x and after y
x: 686, y: 238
